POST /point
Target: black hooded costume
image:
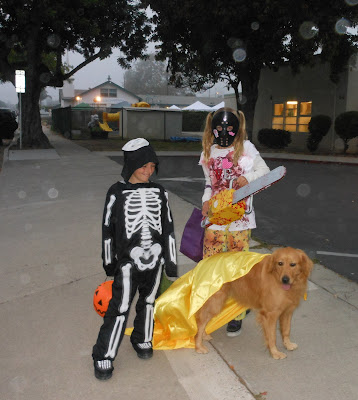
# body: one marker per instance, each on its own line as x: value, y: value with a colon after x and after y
x: 137, y: 243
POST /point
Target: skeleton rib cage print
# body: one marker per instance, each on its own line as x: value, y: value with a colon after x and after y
x: 142, y: 214
x: 142, y: 210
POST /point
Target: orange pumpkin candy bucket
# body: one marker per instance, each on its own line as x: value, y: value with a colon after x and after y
x: 102, y: 296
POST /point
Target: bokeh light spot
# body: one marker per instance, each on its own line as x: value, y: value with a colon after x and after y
x: 239, y: 54
x: 53, y: 41
x: 45, y: 77
x: 255, y: 26
x: 308, y: 30
x: 303, y: 190
x: 242, y: 99
x: 22, y: 194
x: 52, y: 193
x: 353, y: 61
x: 342, y: 25
x: 352, y: 2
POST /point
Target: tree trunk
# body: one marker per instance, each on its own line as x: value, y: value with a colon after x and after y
x: 250, y: 81
x: 31, y: 128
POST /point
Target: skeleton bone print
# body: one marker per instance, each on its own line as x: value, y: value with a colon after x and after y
x: 142, y: 211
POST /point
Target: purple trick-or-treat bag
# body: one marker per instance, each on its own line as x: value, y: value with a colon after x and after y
x: 192, y: 240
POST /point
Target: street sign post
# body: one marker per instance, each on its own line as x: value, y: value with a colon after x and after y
x: 20, y: 84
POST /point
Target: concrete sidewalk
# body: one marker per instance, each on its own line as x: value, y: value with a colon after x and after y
x: 51, y: 210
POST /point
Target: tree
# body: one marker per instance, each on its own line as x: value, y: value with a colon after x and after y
x: 34, y: 36
x: 232, y: 40
x: 150, y: 77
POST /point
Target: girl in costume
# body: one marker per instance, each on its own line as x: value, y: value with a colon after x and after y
x: 228, y: 160
x: 137, y: 243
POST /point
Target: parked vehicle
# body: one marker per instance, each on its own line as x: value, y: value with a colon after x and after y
x: 8, y: 124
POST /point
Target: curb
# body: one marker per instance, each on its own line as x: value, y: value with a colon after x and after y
x: 312, y: 159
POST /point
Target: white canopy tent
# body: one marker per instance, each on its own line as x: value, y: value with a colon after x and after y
x: 173, y: 107
x: 198, y: 106
x: 220, y: 105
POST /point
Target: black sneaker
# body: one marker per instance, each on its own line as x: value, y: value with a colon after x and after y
x: 103, y: 369
x: 233, y: 328
x: 144, y: 350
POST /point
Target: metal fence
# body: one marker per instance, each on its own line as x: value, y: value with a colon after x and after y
x: 68, y: 120
x: 62, y: 121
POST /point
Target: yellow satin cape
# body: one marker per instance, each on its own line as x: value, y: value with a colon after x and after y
x: 174, y: 312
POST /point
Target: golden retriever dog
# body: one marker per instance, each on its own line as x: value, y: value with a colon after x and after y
x: 273, y: 288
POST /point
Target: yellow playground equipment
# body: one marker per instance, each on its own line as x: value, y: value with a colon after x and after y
x: 109, y: 117
x: 141, y: 104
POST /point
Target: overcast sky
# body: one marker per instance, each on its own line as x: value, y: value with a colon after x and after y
x: 89, y: 76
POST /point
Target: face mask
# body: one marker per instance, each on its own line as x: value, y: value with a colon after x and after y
x: 225, y: 126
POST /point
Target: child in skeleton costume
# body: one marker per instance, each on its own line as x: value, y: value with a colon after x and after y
x: 228, y: 158
x: 137, y: 243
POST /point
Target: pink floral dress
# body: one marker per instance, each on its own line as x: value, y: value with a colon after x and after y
x: 219, y: 172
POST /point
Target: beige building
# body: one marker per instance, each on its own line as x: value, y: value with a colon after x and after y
x: 288, y: 101
x: 109, y: 94
x: 104, y: 95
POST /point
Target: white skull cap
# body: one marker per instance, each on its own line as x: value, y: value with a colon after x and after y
x: 135, y: 144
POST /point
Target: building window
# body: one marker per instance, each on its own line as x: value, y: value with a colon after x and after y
x: 292, y: 116
x: 108, y: 92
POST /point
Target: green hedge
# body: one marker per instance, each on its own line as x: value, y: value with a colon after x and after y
x: 274, y: 138
x: 194, y: 121
x: 318, y: 127
x: 346, y: 126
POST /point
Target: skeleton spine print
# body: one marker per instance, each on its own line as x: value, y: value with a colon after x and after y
x: 142, y: 211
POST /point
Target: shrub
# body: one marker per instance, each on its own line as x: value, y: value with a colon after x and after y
x: 318, y: 127
x: 346, y: 126
x: 274, y: 138
x: 194, y: 121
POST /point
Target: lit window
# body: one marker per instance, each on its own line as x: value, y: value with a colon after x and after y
x: 292, y: 116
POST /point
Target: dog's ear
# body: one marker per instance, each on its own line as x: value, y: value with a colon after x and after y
x: 306, y: 263
x: 269, y: 263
